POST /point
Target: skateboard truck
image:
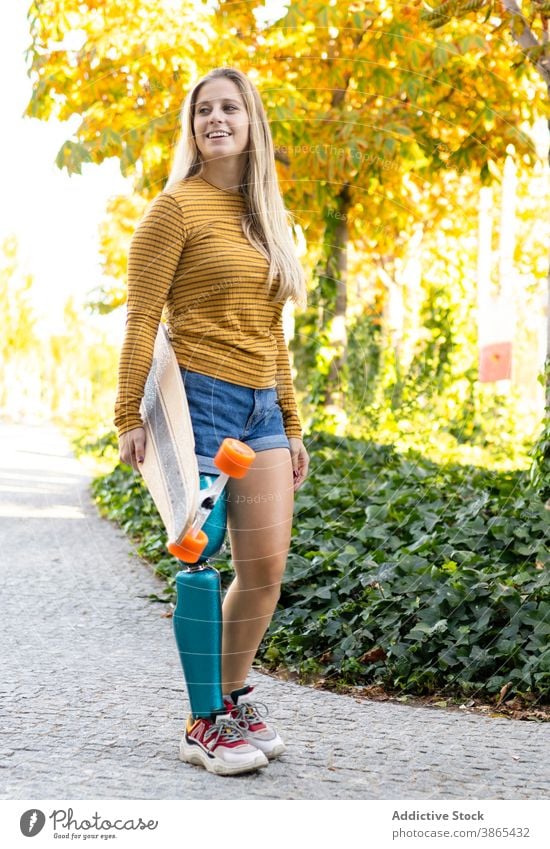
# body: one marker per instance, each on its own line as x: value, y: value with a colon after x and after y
x: 233, y: 459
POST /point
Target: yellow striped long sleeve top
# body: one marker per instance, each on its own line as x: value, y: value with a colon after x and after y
x: 190, y: 256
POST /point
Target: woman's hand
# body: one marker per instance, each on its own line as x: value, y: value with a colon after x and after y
x: 131, y: 447
x: 300, y: 461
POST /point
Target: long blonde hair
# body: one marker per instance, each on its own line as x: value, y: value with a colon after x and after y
x: 266, y: 222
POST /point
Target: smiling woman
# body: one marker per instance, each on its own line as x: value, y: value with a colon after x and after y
x: 215, y: 249
x: 221, y: 133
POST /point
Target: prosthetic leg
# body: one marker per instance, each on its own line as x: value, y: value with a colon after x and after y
x: 198, y: 615
x: 212, y: 738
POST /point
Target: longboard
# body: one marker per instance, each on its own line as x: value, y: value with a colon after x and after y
x: 169, y: 467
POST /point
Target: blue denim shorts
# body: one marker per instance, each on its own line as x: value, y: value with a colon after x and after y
x: 219, y: 409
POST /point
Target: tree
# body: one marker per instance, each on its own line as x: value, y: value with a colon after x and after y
x: 125, y: 79
x: 115, y: 234
x: 529, y: 30
x: 527, y: 26
x: 387, y: 112
x: 370, y: 110
x: 18, y: 338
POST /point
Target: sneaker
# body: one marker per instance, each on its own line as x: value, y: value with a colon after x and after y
x: 219, y: 746
x: 250, y: 715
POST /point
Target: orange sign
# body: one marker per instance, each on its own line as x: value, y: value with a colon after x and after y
x: 495, y: 362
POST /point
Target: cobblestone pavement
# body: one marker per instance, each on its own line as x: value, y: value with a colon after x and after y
x: 92, y: 695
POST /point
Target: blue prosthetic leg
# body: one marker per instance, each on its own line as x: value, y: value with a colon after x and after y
x: 198, y: 617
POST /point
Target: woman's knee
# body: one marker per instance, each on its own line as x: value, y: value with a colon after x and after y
x: 265, y: 578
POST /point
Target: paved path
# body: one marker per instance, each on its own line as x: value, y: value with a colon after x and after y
x: 92, y: 699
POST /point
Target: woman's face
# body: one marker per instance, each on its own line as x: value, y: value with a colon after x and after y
x: 220, y: 110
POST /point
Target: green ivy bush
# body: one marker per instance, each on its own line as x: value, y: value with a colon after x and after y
x: 413, y: 574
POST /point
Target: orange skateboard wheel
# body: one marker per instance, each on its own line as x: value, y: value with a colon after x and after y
x: 190, y: 548
x: 234, y: 458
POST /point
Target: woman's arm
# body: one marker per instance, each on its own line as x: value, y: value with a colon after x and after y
x: 287, y: 400
x: 285, y: 388
x: 153, y: 258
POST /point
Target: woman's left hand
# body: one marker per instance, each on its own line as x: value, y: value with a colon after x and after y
x: 300, y: 461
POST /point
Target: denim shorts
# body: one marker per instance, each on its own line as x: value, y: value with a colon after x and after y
x: 219, y: 409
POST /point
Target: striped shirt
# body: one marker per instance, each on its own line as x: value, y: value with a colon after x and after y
x: 190, y: 257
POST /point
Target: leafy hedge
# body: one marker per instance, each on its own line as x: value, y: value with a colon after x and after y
x: 403, y: 572
x: 415, y: 575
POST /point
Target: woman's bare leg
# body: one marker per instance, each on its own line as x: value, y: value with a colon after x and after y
x: 259, y: 521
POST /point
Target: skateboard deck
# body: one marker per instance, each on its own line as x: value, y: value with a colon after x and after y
x: 169, y: 467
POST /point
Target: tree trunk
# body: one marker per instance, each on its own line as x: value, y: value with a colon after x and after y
x: 337, y: 264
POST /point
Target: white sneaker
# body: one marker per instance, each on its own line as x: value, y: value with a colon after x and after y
x: 219, y: 746
x: 250, y: 717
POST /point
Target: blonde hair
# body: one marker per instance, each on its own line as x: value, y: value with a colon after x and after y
x: 267, y: 224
